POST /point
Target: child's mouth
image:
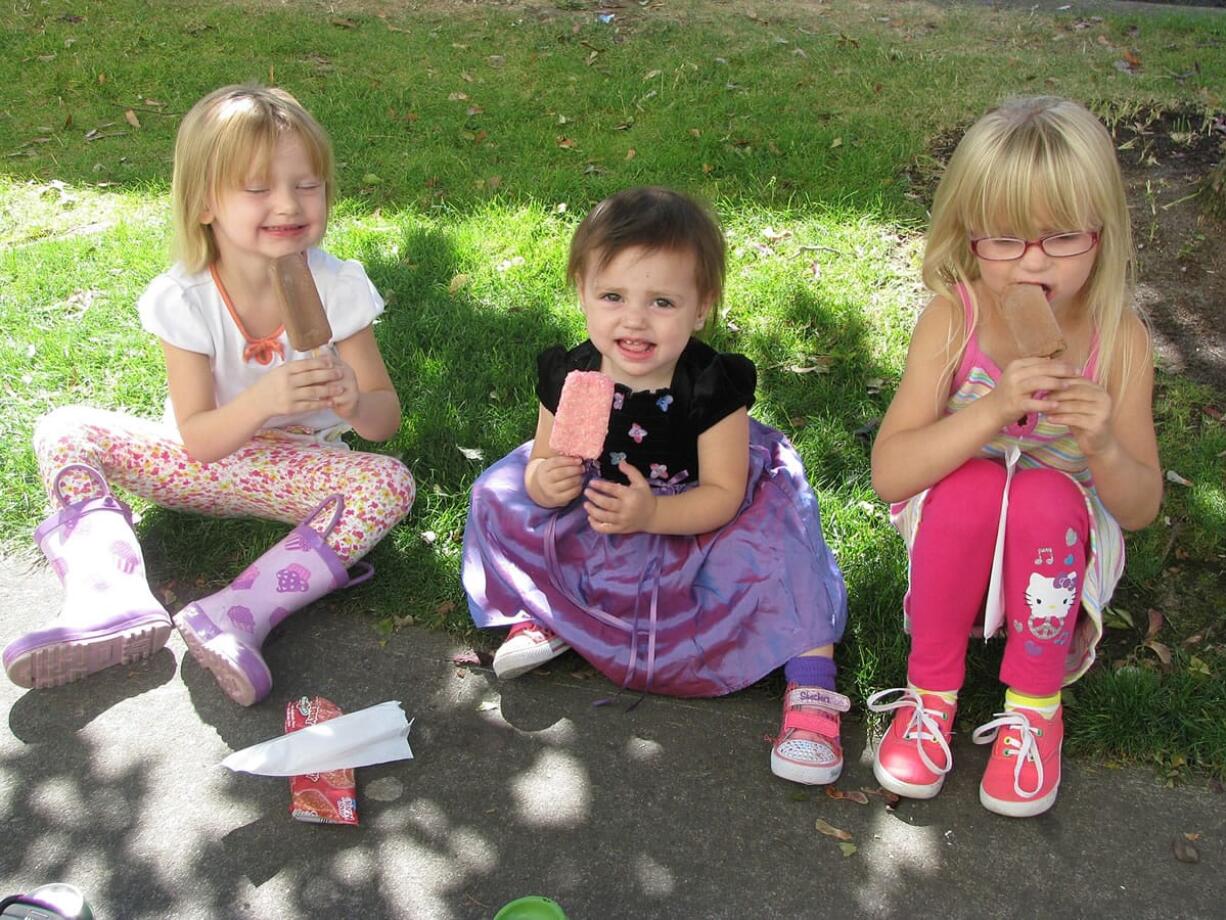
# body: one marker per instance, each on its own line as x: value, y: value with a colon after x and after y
x: 1046, y: 288
x: 636, y: 348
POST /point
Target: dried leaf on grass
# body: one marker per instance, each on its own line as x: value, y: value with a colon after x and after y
x: 1160, y: 649
x: 1197, y: 666
x: 1155, y: 623
x: 130, y: 117
x: 848, y: 848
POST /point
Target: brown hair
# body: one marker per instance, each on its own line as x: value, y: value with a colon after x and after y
x: 653, y: 218
x: 222, y: 137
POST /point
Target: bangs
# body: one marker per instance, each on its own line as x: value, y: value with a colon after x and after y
x: 1028, y: 191
x: 247, y: 135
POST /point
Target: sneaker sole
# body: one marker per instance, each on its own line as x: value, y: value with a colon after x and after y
x: 70, y: 660
x: 805, y: 774
x: 1024, y: 809
x: 907, y: 790
x: 515, y: 663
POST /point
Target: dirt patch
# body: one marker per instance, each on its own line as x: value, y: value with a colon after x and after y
x: 1181, y: 264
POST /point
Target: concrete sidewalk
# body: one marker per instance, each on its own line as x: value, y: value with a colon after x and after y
x: 667, y: 811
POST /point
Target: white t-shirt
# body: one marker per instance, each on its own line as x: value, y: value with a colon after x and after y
x: 187, y: 311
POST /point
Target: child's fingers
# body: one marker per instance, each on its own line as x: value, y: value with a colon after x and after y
x: 599, y: 518
x: 605, y: 487
x: 605, y: 502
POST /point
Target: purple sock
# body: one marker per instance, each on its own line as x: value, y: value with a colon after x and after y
x: 811, y: 671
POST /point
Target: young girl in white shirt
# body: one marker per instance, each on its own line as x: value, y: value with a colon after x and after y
x: 251, y: 427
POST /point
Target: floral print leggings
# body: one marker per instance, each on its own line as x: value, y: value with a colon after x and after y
x: 278, y: 475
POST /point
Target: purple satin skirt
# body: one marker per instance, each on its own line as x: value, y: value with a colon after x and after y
x: 678, y: 615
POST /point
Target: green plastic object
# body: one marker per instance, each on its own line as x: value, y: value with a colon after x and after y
x: 533, y: 907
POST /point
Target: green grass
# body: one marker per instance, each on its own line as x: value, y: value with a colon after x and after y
x: 809, y: 120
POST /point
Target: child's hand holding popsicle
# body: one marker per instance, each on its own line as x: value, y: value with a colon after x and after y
x: 1031, y: 383
x: 322, y: 381
x: 579, y: 429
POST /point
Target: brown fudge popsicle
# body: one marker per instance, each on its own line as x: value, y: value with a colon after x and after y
x: 1029, y: 318
x: 302, y: 311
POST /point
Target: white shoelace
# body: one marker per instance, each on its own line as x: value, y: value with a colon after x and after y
x: 1025, y: 749
x: 922, y: 727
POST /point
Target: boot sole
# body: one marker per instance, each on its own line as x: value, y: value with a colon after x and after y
x: 224, y: 660
x: 68, y: 660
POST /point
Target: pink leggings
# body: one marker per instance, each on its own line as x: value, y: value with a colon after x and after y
x: 276, y: 475
x: 1044, y: 568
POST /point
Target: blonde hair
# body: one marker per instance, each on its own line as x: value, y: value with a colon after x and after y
x: 226, y: 135
x: 1030, y: 159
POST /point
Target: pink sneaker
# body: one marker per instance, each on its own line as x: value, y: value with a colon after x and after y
x: 528, y: 645
x: 913, y: 756
x: 807, y: 749
x: 1023, y: 774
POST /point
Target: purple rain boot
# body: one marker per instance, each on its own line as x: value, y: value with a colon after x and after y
x: 109, y: 615
x: 224, y: 631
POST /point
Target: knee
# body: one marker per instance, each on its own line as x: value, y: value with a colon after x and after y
x: 1047, y: 497
x: 967, y: 501
x: 398, y: 487
x: 58, y: 425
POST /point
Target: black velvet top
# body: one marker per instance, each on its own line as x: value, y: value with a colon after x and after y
x: 657, y: 430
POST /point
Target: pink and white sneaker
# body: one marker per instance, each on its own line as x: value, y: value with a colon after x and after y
x: 807, y: 749
x: 528, y: 645
x: 1023, y: 773
x: 913, y: 757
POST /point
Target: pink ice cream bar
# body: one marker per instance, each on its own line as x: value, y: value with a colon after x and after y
x: 582, y: 419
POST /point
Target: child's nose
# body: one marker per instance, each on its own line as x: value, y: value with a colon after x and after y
x: 636, y: 316
x: 285, y: 200
x: 1034, y: 257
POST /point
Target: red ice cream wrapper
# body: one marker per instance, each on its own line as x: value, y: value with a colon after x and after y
x: 320, y: 798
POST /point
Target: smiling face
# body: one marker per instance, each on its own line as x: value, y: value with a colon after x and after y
x: 272, y: 212
x: 642, y: 306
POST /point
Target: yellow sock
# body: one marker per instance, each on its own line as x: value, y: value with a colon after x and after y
x: 949, y: 696
x: 1045, y: 706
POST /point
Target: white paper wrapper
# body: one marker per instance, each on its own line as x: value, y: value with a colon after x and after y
x: 377, y: 734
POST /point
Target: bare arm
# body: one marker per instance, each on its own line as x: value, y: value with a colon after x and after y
x: 918, y: 445
x: 1115, y: 429
x: 551, y: 479
x: 368, y: 400
x: 211, y: 432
